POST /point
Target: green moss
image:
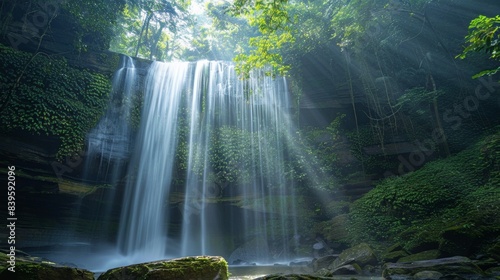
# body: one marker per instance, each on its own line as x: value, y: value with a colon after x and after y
x: 201, y: 267
x: 417, y: 207
x: 29, y: 270
x: 334, y: 230
x: 394, y: 256
x: 48, y: 97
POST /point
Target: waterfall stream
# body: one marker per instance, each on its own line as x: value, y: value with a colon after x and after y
x: 219, y: 143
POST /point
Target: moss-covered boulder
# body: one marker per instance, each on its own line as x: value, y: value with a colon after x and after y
x: 394, y: 256
x: 393, y: 253
x: 460, y: 266
x: 188, y: 268
x: 28, y: 268
x: 362, y: 254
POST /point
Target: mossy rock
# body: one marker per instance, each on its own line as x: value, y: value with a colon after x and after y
x: 30, y: 270
x: 188, y: 268
x: 417, y: 207
x: 394, y: 256
x: 393, y: 248
x: 361, y: 254
x: 425, y: 255
x: 461, y: 266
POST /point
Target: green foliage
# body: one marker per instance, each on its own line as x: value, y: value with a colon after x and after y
x: 484, y: 35
x: 353, y: 20
x: 49, y: 97
x: 238, y: 156
x: 417, y: 206
x: 147, y: 28
x: 96, y: 20
x: 490, y: 159
x: 371, y: 135
x: 232, y: 154
x: 272, y: 19
x: 324, y: 144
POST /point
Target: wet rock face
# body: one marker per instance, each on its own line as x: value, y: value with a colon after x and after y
x: 188, y: 268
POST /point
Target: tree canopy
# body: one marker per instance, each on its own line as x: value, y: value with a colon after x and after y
x: 484, y: 35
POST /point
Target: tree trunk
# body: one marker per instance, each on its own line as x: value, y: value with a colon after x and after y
x: 144, y: 26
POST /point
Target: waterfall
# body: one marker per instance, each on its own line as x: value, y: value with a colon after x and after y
x: 108, y: 144
x: 144, y: 218
x: 211, y: 137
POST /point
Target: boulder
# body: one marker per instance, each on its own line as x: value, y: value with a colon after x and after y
x: 394, y: 253
x: 394, y: 256
x: 28, y: 268
x: 395, y: 247
x: 454, y: 266
x: 188, y: 268
x: 361, y: 254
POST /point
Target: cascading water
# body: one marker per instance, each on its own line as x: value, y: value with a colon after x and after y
x: 142, y: 233
x: 235, y: 140
x: 108, y: 144
x: 206, y: 134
